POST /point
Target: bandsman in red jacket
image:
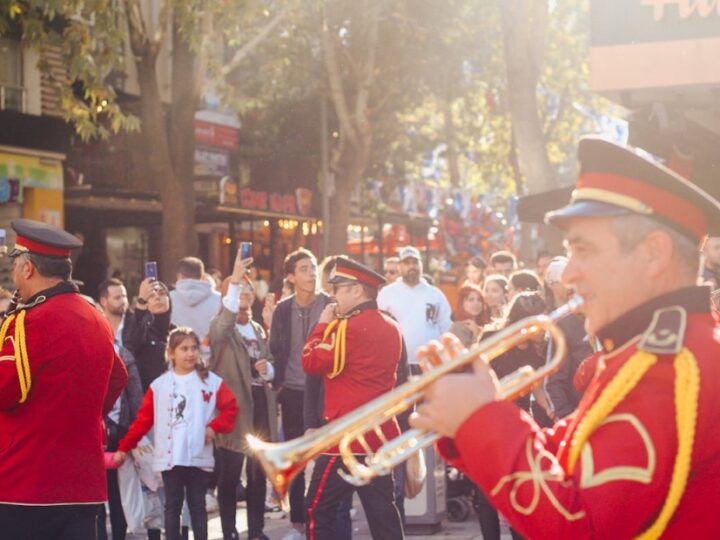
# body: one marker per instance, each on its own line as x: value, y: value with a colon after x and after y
x: 357, y: 348
x: 59, y: 375
x: 640, y: 457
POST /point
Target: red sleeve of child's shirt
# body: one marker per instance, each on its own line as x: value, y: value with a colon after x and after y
x: 227, y: 407
x: 142, y: 424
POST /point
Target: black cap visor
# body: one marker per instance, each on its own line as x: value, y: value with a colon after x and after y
x: 585, y: 209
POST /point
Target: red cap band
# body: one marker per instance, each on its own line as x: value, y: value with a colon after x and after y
x: 40, y: 249
x: 352, y: 273
x: 663, y: 203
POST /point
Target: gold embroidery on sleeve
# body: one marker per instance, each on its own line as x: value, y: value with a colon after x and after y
x: 589, y: 478
x: 327, y: 346
x: 539, y: 479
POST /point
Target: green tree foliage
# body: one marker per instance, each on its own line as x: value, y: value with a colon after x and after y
x: 209, y: 41
x: 89, y: 56
x: 402, y: 77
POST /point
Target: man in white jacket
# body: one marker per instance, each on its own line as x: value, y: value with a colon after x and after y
x: 421, y: 309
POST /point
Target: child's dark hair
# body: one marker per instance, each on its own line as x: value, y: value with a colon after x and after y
x: 176, y: 337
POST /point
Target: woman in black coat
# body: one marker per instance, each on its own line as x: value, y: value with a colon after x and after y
x: 146, y: 330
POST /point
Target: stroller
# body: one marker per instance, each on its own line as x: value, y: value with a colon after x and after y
x: 460, y: 495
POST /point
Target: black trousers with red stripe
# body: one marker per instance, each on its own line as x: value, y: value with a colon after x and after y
x: 326, y: 491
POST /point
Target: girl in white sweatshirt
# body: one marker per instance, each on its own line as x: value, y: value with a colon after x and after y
x: 187, y: 406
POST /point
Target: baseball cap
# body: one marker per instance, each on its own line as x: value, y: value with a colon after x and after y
x: 407, y: 252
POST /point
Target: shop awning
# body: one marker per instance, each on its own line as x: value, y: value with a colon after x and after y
x: 86, y: 197
x: 212, y: 213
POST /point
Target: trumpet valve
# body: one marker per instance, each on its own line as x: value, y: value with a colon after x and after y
x: 452, y: 345
x: 431, y: 355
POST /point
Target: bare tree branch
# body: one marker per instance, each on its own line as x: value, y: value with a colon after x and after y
x: 163, y: 23
x: 337, y: 93
x: 136, y: 27
x: 246, y: 49
x: 376, y: 109
x: 368, y: 69
x: 202, y: 58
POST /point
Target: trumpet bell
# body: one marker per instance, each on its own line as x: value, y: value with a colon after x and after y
x: 280, y: 463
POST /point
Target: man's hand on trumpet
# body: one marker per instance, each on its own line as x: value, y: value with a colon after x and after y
x: 454, y: 398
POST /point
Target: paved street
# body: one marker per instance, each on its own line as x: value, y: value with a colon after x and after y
x: 277, y: 526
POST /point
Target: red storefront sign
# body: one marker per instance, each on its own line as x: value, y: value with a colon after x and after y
x: 216, y: 135
x: 283, y: 203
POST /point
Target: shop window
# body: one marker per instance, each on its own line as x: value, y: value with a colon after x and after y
x: 127, y: 250
x: 12, y: 92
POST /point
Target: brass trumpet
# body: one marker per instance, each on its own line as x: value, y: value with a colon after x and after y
x: 283, y: 461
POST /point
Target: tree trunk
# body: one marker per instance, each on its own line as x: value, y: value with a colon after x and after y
x: 345, y: 182
x: 177, y: 220
x: 179, y: 212
x: 524, y: 25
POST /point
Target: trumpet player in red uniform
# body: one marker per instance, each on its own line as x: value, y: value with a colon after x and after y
x: 640, y: 457
x: 357, y: 348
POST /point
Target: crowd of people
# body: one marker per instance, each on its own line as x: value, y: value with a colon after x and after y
x: 202, y: 364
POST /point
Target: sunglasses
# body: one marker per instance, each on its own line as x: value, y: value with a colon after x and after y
x: 335, y: 286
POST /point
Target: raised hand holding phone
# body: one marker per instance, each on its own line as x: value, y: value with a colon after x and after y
x: 246, y: 250
x: 151, y: 270
x: 240, y: 267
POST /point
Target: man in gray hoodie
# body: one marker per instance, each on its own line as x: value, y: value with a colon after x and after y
x: 194, y: 300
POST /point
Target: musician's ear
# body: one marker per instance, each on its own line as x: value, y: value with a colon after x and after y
x: 658, y: 252
x: 27, y: 269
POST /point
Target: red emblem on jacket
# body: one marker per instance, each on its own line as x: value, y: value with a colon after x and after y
x: 206, y: 396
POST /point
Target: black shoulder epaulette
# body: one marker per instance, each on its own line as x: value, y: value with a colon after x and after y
x: 666, y: 332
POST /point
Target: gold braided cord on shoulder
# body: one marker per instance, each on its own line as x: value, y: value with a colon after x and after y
x: 22, y: 355
x: 620, y: 386
x: 329, y: 330
x: 687, y: 391
x: 339, y: 326
x: 22, y: 363
x: 4, y: 328
x: 340, y: 349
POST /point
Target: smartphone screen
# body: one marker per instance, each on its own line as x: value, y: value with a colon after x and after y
x: 151, y: 270
x: 245, y: 250
x: 3, y: 237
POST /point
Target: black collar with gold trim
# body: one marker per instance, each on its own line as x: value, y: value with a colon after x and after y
x: 637, y: 320
x: 63, y: 287
x: 370, y: 304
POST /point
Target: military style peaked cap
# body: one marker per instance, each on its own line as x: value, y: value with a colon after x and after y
x: 347, y: 270
x: 617, y: 180
x: 41, y: 238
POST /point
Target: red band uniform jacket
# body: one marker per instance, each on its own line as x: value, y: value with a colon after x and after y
x: 54, y: 391
x: 640, y: 456
x: 372, y: 345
